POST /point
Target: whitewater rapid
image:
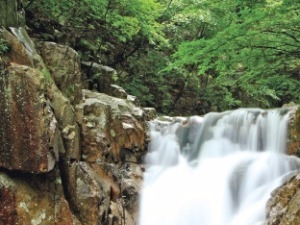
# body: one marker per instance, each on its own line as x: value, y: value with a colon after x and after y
x: 216, y: 170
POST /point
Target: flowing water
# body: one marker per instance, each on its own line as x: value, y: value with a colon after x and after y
x: 216, y: 170
x: 35, y: 59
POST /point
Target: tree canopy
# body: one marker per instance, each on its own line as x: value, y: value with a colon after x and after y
x: 252, y: 57
x: 222, y: 54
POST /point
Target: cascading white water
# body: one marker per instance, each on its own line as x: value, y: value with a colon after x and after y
x: 215, y: 171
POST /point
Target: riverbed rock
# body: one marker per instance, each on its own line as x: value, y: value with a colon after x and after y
x: 283, y: 206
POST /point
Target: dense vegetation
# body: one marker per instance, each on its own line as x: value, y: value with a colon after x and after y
x: 216, y: 55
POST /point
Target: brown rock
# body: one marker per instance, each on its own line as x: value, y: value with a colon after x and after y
x: 64, y: 66
x: 34, y: 200
x: 112, y: 129
x: 17, y: 53
x: 99, y: 77
x: 8, y: 211
x: 69, y: 138
x: 150, y: 113
x: 25, y: 120
x: 88, y: 195
x: 22, y: 49
x: 293, y: 147
x: 283, y: 206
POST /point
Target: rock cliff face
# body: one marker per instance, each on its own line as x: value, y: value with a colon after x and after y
x: 11, y: 13
x: 67, y: 155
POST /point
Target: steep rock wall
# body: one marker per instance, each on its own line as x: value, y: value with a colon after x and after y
x: 76, y: 153
x: 11, y: 13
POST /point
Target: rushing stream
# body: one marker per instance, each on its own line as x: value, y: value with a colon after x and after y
x: 216, y: 170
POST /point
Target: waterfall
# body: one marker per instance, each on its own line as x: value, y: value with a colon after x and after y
x: 35, y: 59
x: 215, y: 170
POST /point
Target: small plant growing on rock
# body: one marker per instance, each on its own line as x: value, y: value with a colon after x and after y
x: 3, y: 46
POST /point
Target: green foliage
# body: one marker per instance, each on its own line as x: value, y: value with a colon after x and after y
x: 47, y: 76
x: 225, y: 54
x: 251, y: 55
x: 3, y: 46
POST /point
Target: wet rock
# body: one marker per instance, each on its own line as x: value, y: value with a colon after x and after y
x: 22, y: 49
x: 17, y: 53
x: 28, y: 126
x: 125, y: 192
x: 131, y: 185
x: 293, y: 147
x: 283, y: 206
x: 113, y: 145
x: 23, y: 38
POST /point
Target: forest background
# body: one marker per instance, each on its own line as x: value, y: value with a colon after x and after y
x: 218, y: 55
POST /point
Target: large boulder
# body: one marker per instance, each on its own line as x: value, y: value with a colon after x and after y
x: 283, y: 206
x: 64, y: 66
x: 28, y: 126
x: 112, y: 129
x: 113, y: 145
x: 99, y: 77
x: 34, y: 199
x: 88, y: 195
x: 23, y: 52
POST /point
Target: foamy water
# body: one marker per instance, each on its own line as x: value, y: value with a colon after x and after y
x: 219, y: 170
